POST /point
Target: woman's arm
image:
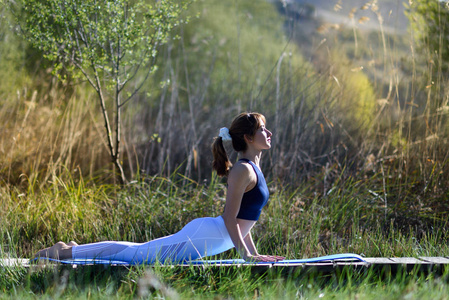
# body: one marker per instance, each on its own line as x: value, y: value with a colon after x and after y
x: 252, y: 248
x: 248, y: 239
x: 239, y: 179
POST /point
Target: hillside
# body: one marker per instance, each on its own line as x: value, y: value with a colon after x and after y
x: 372, y: 35
x: 338, y: 11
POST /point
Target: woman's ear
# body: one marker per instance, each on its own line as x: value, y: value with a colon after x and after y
x: 248, y: 139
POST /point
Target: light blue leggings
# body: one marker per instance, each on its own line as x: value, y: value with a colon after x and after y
x: 201, y: 237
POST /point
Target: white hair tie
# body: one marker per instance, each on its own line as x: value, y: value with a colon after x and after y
x: 224, y: 134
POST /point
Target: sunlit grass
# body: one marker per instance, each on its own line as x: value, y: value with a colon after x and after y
x: 347, y: 219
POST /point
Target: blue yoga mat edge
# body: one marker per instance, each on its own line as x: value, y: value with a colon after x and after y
x: 333, y: 257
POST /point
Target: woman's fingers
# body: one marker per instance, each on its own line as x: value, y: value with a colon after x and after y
x: 275, y: 257
x: 278, y: 258
x: 258, y: 258
x: 265, y: 258
x: 272, y: 258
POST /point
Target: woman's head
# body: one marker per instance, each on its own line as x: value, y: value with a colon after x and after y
x: 244, y: 125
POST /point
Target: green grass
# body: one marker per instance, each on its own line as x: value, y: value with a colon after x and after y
x: 220, y: 283
x: 349, y: 217
x: 297, y: 223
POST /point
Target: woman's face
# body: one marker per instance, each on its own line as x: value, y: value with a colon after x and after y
x: 262, y: 138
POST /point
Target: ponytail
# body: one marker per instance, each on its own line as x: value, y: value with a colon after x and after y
x: 221, y: 162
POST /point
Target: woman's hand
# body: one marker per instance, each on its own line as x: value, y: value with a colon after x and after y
x: 263, y: 258
x: 277, y: 258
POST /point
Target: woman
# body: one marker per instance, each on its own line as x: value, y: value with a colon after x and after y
x: 246, y: 196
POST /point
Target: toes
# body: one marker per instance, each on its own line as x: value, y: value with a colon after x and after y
x: 42, y: 253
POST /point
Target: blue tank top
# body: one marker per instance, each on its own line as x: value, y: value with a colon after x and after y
x: 254, y: 200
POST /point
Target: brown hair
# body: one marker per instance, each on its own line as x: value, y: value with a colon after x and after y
x: 243, y: 124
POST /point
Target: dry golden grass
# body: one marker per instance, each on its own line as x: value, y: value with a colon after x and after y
x: 44, y: 132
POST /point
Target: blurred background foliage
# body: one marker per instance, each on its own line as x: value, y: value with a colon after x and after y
x: 230, y: 57
x: 13, y: 58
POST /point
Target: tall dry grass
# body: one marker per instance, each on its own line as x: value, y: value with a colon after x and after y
x: 49, y: 131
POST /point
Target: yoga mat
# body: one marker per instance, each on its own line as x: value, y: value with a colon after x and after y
x: 334, y: 257
x: 344, y: 256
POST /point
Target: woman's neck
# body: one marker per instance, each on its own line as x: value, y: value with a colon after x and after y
x: 255, y: 157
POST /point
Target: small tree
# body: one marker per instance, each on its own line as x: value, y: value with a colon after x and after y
x: 111, y: 43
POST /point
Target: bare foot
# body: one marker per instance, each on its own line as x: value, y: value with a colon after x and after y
x: 72, y: 243
x: 60, y: 250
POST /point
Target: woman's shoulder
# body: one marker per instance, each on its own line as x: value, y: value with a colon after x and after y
x: 240, y: 170
x: 242, y: 165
